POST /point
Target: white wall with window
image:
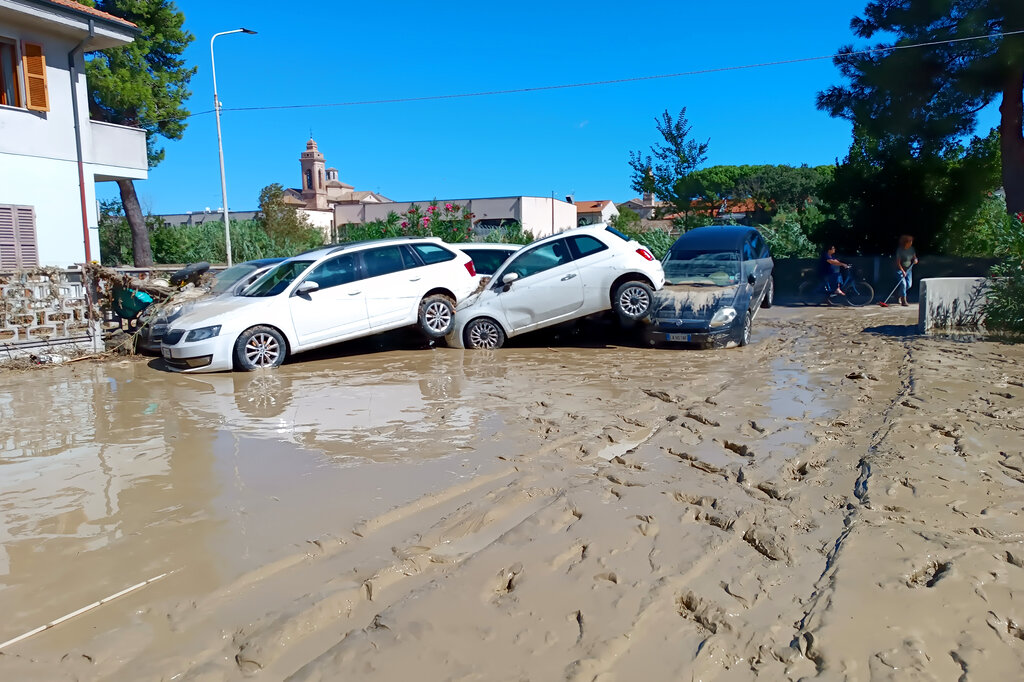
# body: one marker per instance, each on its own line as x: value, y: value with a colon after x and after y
x: 38, y: 152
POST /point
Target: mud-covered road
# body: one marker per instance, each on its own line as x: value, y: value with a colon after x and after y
x: 842, y: 499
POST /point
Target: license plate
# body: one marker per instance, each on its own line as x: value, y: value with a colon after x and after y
x: 166, y: 352
x: 684, y: 338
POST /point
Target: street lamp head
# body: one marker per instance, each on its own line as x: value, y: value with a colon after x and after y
x: 249, y: 31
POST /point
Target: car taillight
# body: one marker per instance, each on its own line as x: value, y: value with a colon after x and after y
x: 471, y: 268
x: 645, y: 253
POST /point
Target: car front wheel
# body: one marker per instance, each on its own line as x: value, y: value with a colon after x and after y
x: 633, y: 300
x: 437, y: 316
x: 743, y: 338
x: 260, y: 348
x: 484, y: 333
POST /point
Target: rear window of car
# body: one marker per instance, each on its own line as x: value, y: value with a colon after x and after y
x: 432, y: 253
x: 486, y: 261
x: 617, y: 233
x: 585, y: 245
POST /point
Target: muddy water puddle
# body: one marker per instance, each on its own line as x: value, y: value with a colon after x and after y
x: 113, y: 473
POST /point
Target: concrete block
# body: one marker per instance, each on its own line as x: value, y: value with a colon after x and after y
x: 952, y: 303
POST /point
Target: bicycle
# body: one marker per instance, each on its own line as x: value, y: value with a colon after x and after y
x: 856, y: 291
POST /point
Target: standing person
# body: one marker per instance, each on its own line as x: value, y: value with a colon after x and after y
x: 906, y: 258
x: 830, y: 266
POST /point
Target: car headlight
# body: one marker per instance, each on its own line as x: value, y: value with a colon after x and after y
x: 203, y: 333
x: 723, y: 317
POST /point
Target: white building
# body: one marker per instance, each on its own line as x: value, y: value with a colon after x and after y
x: 591, y: 212
x: 47, y: 142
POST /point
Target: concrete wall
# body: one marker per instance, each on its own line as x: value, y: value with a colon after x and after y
x: 38, y: 156
x: 952, y: 303
x: 537, y: 216
x: 45, y: 311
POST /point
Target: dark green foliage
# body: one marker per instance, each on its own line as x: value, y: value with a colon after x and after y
x: 880, y: 192
x: 916, y: 102
x: 787, y: 238
x: 1004, y: 310
x: 280, y: 232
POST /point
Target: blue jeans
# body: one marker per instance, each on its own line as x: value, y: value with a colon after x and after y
x: 906, y: 281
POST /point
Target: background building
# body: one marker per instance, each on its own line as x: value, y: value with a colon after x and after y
x: 47, y: 142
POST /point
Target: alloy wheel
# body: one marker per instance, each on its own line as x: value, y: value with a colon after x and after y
x: 438, y: 317
x: 484, y: 334
x: 634, y: 301
x: 262, y: 350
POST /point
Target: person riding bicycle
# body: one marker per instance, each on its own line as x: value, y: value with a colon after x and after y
x: 830, y: 267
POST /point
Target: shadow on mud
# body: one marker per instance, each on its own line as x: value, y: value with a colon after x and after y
x: 898, y: 331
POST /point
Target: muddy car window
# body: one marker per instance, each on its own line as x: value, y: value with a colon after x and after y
x: 278, y: 279
x: 541, y: 258
x: 334, y: 272
x: 716, y: 268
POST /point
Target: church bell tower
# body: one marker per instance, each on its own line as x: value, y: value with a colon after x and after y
x: 314, y: 189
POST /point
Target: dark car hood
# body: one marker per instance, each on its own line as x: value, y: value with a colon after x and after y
x: 689, y: 302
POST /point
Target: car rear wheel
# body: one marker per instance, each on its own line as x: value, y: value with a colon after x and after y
x: 260, y: 348
x: 769, y: 294
x: 633, y: 300
x: 437, y: 316
x: 484, y: 333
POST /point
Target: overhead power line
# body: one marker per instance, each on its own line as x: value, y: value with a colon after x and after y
x: 614, y: 81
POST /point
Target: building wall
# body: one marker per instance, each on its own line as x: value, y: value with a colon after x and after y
x: 324, y: 220
x: 544, y: 216
x: 540, y: 215
x: 38, y: 156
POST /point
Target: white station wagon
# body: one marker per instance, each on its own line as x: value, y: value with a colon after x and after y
x: 569, y: 275
x: 323, y: 297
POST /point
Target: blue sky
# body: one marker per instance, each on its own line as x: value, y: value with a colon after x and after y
x: 574, y: 141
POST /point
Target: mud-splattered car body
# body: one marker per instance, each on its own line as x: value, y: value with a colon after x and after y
x: 717, y: 278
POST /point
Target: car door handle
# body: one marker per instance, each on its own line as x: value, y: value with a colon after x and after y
x: 354, y: 293
x: 568, y: 277
x: 414, y: 279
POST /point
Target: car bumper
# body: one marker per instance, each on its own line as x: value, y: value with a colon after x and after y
x: 697, y: 336
x: 210, y: 355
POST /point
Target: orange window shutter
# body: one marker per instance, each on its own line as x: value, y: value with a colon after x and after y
x: 33, y: 62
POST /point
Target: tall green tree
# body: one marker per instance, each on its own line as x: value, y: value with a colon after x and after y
x: 665, y: 170
x: 142, y: 84
x: 921, y: 99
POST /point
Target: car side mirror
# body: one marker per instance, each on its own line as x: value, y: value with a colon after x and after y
x: 307, y: 287
x: 751, y: 279
x: 508, y: 279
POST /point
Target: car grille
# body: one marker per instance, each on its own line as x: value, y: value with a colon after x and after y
x: 172, y: 337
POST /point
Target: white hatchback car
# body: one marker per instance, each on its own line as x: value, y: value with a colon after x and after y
x: 323, y: 297
x: 569, y: 275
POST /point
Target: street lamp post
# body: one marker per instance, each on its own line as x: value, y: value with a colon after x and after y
x: 220, y: 144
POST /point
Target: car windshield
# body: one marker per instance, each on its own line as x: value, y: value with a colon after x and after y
x: 278, y: 279
x: 225, y: 279
x: 487, y: 261
x: 708, y: 268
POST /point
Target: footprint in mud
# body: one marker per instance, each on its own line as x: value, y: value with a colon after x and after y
x: 648, y: 526
x: 610, y: 577
x: 508, y: 579
x: 700, y: 418
x: 704, y: 612
x: 929, y: 574
x: 741, y: 450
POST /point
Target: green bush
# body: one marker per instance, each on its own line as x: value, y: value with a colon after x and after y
x: 1004, y: 310
x: 786, y: 237
x: 451, y: 223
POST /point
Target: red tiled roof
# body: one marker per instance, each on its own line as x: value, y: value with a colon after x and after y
x: 71, y: 4
x: 591, y: 206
